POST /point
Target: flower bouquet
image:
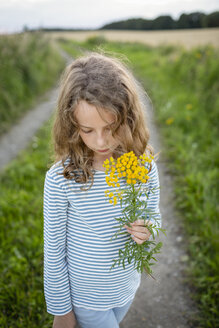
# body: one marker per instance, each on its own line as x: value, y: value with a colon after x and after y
x: 134, y: 172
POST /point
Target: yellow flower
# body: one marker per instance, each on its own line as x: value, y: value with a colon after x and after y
x: 127, y: 166
x: 189, y: 106
x: 170, y: 121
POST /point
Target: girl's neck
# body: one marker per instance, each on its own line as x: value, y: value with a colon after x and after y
x: 98, y: 165
x: 98, y: 162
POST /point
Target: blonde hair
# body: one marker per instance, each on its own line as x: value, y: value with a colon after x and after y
x: 105, y: 82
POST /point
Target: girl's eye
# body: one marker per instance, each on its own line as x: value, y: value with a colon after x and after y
x: 86, y: 131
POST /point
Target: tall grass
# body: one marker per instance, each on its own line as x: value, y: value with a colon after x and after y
x: 29, y: 65
x: 184, y: 88
x: 21, y: 237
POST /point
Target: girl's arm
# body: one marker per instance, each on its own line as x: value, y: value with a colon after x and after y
x: 56, y: 280
x: 153, y: 201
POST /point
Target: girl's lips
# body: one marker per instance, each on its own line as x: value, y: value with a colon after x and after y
x: 103, y: 151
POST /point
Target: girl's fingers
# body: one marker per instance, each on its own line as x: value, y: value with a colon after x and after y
x: 141, y: 222
x: 137, y: 240
x: 139, y: 232
x: 138, y: 228
x: 139, y: 235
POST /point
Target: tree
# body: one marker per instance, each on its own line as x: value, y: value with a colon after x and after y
x: 163, y: 23
x: 212, y: 20
x: 193, y: 20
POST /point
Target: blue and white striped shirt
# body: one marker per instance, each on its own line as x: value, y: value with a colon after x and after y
x: 78, y: 252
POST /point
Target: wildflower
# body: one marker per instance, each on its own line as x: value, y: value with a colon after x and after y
x: 128, y: 167
x: 170, y: 121
x: 131, y: 169
x: 189, y: 106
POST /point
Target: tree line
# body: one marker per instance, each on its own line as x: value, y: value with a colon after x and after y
x: 185, y: 21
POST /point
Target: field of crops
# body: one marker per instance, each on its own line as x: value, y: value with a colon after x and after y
x: 186, y: 38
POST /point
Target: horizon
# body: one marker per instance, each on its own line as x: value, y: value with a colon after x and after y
x: 15, y: 15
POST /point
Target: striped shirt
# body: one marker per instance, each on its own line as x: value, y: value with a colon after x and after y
x: 78, y: 250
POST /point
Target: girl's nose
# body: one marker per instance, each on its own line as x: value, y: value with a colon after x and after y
x: 101, y: 140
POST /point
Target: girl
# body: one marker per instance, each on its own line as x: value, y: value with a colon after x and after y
x: 100, y: 114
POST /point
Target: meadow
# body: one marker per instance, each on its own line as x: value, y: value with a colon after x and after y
x: 183, y: 86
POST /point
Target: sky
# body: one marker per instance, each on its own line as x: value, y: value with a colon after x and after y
x: 93, y: 14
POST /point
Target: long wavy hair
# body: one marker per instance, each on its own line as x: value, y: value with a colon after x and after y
x: 107, y: 83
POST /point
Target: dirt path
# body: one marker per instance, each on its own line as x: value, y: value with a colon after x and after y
x: 166, y: 302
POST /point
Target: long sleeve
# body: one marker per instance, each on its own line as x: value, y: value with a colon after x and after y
x: 56, y: 279
x: 154, y: 197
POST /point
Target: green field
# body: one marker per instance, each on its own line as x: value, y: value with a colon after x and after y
x: 183, y: 86
x: 29, y: 65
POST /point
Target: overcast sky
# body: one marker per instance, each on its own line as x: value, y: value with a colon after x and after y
x: 14, y: 14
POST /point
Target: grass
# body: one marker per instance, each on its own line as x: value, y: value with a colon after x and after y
x: 183, y: 86
x: 21, y: 239
x: 30, y: 65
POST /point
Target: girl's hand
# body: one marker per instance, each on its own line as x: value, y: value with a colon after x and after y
x: 65, y: 321
x: 139, y: 232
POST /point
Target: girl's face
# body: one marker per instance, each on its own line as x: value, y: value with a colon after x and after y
x: 95, y: 130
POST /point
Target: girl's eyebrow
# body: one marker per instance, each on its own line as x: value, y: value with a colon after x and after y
x: 88, y: 127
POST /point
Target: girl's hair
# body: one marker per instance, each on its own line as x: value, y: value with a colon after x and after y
x: 106, y: 83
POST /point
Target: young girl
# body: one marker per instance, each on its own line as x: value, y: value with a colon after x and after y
x: 100, y: 114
